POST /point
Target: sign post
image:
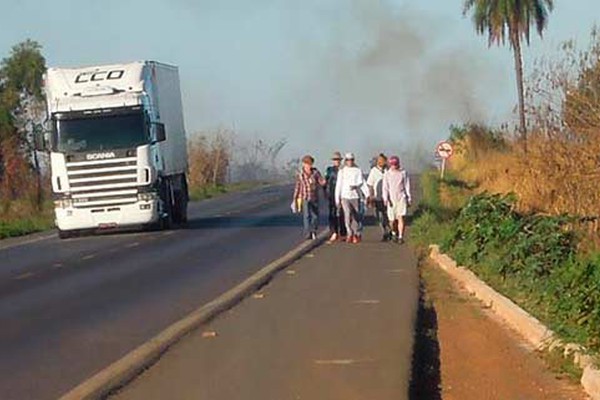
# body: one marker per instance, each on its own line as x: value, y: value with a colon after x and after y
x: 444, y: 150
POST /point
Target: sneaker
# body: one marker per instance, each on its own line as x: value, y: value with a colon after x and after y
x: 350, y: 239
x: 394, y: 238
x: 313, y: 236
x: 333, y: 238
x: 400, y: 241
x: 385, y: 238
x: 356, y: 239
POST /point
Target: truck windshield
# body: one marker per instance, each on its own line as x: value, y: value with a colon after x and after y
x: 104, y: 132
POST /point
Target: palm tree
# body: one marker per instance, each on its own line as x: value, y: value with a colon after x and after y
x: 511, y: 20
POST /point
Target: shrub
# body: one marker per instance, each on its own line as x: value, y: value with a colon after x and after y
x: 531, y: 258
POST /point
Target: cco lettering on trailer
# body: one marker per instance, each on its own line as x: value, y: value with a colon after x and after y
x: 97, y: 76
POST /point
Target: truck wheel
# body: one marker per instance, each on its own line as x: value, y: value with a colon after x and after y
x: 65, y: 234
x: 180, y: 208
x: 166, y: 221
x: 181, y: 202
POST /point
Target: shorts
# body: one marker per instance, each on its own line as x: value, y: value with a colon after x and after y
x: 397, y: 210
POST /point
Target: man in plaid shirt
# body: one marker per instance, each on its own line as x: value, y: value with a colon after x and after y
x: 306, y: 196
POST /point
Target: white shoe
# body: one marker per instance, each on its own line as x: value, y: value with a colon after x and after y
x: 333, y: 237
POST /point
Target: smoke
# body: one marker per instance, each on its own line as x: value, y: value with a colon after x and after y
x: 365, y: 76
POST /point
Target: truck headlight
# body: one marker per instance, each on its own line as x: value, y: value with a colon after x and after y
x: 147, y: 196
x: 63, y: 203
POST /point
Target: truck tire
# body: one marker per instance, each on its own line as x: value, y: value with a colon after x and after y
x: 181, y: 202
x: 166, y: 221
x: 65, y: 234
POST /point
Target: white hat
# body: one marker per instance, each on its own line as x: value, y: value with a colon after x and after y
x: 349, y: 156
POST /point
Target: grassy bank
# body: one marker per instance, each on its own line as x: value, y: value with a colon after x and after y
x: 536, y: 260
x: 13, y: 224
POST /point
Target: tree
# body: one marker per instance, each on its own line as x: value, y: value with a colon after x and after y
x: 22, y: 103
x: 512, y: 21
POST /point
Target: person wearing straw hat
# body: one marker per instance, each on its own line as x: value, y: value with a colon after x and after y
x: 350, y: 189
x: 375, y: 185
x: 396, y: 196
x: 306, y: 196
x: 336, y: 214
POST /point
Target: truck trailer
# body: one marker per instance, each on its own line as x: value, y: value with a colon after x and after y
x: 118, y: 148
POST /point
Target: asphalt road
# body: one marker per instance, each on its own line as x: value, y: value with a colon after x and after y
x: 337, y: 325
x: 69, y: 308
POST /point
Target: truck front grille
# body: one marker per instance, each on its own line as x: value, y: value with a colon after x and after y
x: 103, y: 183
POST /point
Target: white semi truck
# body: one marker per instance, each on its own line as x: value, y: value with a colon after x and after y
x: 117, y: 146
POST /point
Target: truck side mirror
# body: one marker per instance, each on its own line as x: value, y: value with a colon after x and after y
x: 161, y: 134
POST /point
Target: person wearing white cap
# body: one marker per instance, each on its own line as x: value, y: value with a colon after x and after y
x: 350, y: 189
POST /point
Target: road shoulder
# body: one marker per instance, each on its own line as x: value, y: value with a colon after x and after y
x: 478, y: 357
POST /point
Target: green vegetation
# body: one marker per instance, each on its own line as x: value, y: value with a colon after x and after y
x: 531, y: 258
x: 37, y: 222
x: 22, y: 206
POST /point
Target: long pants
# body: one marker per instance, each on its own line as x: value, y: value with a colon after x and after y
x: 310, y: 214
x: 352, y: 216
x: 381, y: 215
x: 336, y: 219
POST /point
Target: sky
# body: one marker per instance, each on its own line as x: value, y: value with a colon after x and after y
x: 348, y: 75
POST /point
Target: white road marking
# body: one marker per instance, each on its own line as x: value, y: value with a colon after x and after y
x: 131, y: 245
x: 368, y: 302
x: 88, y: 257
x: 26, y: 275
x: 342, y: 361
x: 57, y: 265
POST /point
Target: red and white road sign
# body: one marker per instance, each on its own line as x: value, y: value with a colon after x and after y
x: 444, y: 150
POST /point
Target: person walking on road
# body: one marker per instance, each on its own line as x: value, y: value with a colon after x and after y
x: 306, y: 196
x: 336, y: 214
x: 396, y: 197
x: 350, y: 189
x: 375, y: 185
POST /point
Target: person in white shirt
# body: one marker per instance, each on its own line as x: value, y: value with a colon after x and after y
x: 375, y: 200
x: 350, y: 189
x: 396, y: 196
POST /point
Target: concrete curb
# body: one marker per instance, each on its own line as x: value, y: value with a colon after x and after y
x: 533, y: 331
x: 127, y: 368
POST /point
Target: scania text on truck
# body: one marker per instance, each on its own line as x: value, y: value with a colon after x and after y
x: 117, y: 145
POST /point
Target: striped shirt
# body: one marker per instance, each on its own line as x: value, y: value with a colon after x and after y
x: 308, y: 185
